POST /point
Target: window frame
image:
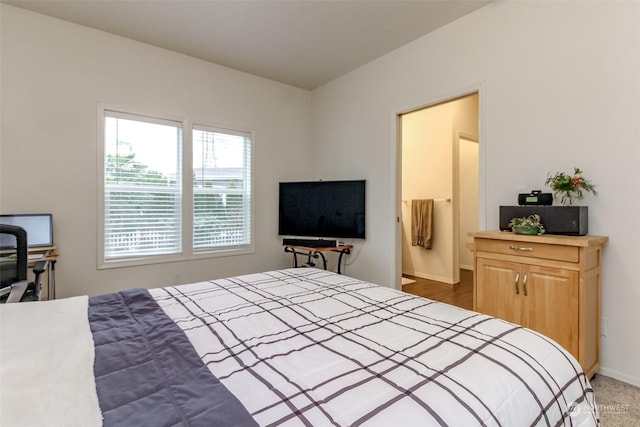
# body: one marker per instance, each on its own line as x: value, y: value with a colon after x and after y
x: 188, y: 251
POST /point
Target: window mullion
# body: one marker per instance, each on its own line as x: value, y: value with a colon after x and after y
x: 187, y: 188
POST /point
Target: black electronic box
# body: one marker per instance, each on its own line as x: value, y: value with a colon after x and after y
x: 536, y: 197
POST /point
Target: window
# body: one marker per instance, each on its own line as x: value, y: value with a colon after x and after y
x: 156, y: 206
x: 221, y: 188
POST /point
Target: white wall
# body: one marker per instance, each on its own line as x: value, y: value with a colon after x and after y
x: 558, y: 83
x: 53, y: 76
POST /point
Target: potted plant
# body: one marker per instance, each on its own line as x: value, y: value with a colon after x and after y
x: 569, y: 187
x: 527, y: 225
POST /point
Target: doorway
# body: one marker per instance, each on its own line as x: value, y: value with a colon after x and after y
x: 439, y: 149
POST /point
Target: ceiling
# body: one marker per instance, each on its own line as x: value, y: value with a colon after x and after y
x: 304, y: 43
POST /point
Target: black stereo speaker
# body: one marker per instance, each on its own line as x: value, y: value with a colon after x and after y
x: 568, y: 220
x: 310, y: 243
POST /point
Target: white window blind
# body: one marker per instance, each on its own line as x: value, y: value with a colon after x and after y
x: 142, y: 186
x: 221, y: 188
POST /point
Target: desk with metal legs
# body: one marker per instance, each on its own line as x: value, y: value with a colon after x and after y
x: 316, y: 253
x: 50, y: 254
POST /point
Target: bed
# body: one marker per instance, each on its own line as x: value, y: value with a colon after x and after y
x: 292, y: 347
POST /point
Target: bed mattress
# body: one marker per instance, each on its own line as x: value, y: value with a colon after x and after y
x: 307, y: 347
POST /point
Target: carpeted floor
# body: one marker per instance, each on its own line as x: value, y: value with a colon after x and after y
x: 618, y: 402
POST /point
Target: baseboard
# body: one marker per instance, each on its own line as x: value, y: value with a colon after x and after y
x: 618, y: 376
x: 466, y: 267
x: 406, y: 281
x: 429, y: 277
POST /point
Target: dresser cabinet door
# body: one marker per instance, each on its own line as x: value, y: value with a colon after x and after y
x: 539, y: 298
x: 550, y: 304
x: 496, y: 293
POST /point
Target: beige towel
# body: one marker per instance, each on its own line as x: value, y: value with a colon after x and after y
x: 421, y: 222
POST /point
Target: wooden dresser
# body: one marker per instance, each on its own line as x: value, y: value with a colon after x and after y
x: 548, y: 283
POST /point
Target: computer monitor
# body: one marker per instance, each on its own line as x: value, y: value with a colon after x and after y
x: 39, y: 228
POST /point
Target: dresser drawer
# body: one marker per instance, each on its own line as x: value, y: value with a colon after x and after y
x: 529, y: 249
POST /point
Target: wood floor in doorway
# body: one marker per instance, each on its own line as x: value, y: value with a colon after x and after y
x: 459, y: 294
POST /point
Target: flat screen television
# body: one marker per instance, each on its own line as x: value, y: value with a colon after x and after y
x: 322, y: 209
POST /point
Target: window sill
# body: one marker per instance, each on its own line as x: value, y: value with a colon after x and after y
x: 161, y: 259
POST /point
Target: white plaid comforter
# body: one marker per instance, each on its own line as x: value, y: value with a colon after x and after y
x: 310, y: 347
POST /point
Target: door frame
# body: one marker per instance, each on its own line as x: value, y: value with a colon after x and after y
x: 456, y: 194
x: 396, y: 169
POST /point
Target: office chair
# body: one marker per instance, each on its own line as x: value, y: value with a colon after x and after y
x: 14, y: 286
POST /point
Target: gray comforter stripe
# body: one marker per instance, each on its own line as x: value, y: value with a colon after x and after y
x: 147, y: 372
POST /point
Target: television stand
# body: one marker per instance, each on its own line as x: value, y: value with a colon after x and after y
x: 314, y: 252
